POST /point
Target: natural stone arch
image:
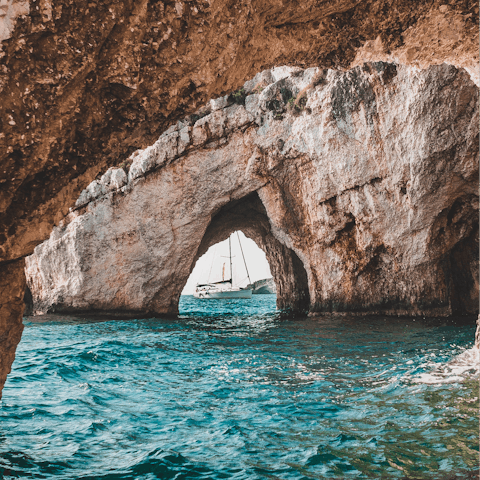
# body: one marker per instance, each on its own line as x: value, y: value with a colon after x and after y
x: 83, y: 85
x: 249, y: 215
x: 333, y: 156
x: 86, y: 288
x: 332, y: 171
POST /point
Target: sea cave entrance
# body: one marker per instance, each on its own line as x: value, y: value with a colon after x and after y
x: 271, y: 257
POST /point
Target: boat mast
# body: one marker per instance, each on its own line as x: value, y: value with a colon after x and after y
x: 243, y: 256
x: 230, y: 253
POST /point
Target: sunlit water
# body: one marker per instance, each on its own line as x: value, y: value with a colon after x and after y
x: 235, y: 390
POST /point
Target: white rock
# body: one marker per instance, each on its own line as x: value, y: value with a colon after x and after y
x: 113, y: 179
x: 199, y: 135
x: 142, y: 163
x: 166, y: 148
x: 216, y: 123
x: 372, y: 192
x: 105, y: 178
x: 218, y: 103
x: 262, y: 78
x: 171, y: 129
x: 237, y: 117
x: 83, y: 199
x: 251, y: 104
x: 279, y: 73
x: 94, y: 190
x: 118, y: 178
x: 184, y: 139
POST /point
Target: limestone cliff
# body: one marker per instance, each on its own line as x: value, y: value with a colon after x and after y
x: 361, y: 187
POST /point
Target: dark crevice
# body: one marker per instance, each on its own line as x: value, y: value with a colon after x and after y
x: 461, y: 273
x: 28, y: 299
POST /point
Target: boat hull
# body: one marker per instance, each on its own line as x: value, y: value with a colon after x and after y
x: 223, y: 295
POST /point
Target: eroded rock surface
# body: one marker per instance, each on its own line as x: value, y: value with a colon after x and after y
x: 84, y: 84
x: 361, y: 186
x: 12, y: 287
x: 265, y: 286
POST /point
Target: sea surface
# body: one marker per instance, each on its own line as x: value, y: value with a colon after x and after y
x: 235, y: 389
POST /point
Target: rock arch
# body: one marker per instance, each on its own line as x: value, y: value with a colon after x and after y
x: 249, y: 215
x: 84, y: 85
x: 322, y: 161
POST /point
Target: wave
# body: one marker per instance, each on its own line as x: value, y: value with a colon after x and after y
x: 464, y: 366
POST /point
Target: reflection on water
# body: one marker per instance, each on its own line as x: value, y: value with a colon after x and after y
x: 236, y: 390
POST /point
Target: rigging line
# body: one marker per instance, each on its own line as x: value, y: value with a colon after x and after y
x: 244, y: 261
x: 213, y: 259
x: 230, y: 251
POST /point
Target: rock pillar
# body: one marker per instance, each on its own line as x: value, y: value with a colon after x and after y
x: 12, y: 289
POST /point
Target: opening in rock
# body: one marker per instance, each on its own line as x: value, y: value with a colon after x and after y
x: 232, y: 277
x: 249, y: 264
x: 249, y: 216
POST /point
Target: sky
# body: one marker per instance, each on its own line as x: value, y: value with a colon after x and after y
x: 209, y: 266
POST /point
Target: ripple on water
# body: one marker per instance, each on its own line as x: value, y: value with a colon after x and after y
x: 235, y: 390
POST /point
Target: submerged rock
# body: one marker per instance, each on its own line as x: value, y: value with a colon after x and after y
x: 364, y: 189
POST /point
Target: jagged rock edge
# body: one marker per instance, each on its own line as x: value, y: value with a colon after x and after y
x: 153, y: 158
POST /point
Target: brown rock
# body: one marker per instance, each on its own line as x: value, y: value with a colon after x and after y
x: 12, y: 287
x: 83, y: 85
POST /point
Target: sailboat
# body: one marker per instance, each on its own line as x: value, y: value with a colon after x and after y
x: 224, y: 289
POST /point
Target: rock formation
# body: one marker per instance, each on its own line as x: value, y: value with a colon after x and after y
x: 84, y: 84
x: 361, y: 187
x: 12, y: 286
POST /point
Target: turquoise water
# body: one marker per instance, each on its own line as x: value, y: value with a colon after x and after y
x: 236, y: 390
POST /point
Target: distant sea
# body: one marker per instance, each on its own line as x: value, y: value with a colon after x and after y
x: 235, y: 389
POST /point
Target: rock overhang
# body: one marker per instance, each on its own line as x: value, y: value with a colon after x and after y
x: 81, y: 98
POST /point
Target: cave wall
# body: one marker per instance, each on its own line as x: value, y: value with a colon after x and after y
x: 12, y: 287
x: 368, y: 179
x: 249, y: 215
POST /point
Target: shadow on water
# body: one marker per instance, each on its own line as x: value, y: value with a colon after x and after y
x: 239, y: 390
